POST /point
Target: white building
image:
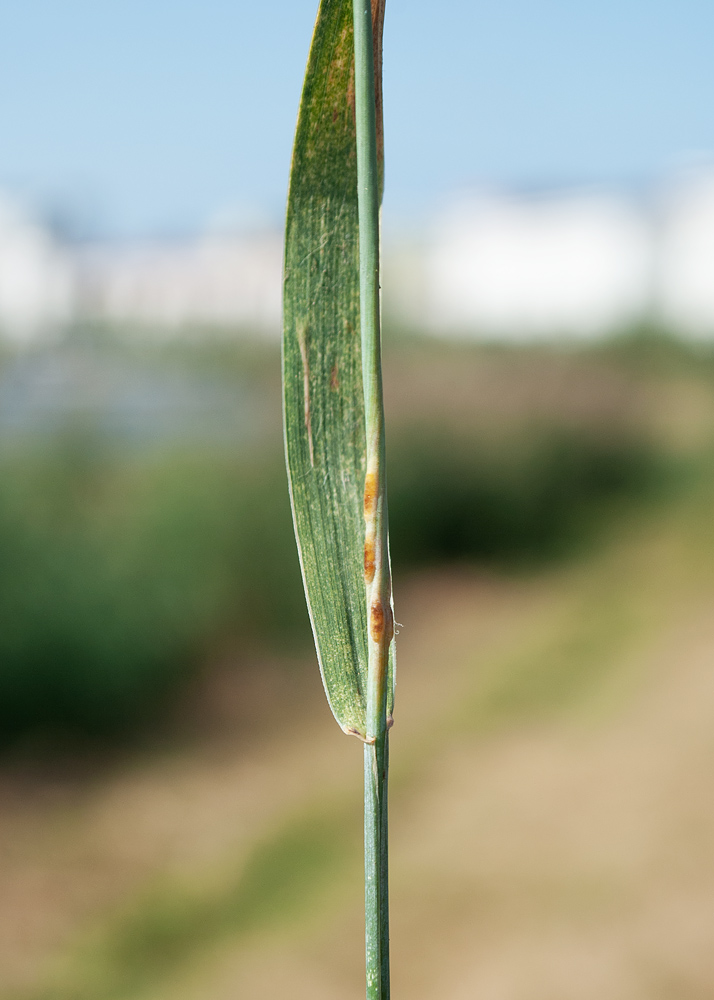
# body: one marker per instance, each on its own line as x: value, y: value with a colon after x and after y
x: 216, y: 281
x: 684, y: 279
x: 36, y: 278
x: 506, y: 266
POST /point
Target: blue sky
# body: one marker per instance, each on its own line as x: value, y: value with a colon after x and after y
x: 155, y: 117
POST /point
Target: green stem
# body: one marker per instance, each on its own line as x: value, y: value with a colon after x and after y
x: 376, y: 840
x: 377, y: 572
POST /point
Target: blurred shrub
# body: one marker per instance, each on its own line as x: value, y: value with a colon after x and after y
x: 119, y: 571
x: 116, y: 574
x: 527, y: 498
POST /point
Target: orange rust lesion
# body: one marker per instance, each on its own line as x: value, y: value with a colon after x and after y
x: 369, y: 560
x: 381, y: 623
x: 371, y: 487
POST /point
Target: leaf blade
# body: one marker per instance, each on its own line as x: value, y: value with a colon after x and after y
x: 322, y: 377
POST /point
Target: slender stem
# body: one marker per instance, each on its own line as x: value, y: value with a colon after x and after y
x: 376, y: 557
x: 376, y: 769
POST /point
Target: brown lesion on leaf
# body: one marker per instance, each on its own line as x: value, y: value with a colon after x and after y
x: 381, y: 623
x: 335, y: 378
x: 371, y: 486
x: 371, y: 489
x: 369, y: 560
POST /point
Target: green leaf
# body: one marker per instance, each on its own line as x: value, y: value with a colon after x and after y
x: 322, y: 372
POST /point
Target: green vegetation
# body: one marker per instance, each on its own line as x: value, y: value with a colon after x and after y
x: 120, y: 572
x: 125, y: 566
x: 457, y: 498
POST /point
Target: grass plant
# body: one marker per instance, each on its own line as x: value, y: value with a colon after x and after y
x: 334, y: 413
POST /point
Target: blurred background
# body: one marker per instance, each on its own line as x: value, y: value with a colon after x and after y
x: 179, y: 814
